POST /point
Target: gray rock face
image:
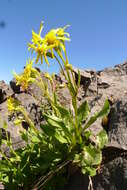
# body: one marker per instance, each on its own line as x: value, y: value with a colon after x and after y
x: 113, y: 173
x: 118, y: 124
x: 5, y: 91
x: 95, y: 87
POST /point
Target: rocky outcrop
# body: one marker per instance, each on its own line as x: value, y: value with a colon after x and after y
x: 95, y: 87
x: 110, y: 83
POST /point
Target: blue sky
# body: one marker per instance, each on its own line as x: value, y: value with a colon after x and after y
x: 98, y: 31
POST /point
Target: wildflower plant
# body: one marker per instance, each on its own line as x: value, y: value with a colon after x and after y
x: 65, y: 136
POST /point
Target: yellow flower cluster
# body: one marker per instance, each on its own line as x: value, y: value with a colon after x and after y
x: 27, y: 77
x: 53, y: 40
x: 12, y: 104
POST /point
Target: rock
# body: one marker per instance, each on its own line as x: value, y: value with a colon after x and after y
x: 111, y: 84
x: 113, y: 175
x: 77, y: 181
x: 5, y: 91
x: 118, y: 124
x: 32, y: 105
x: 15, y: 88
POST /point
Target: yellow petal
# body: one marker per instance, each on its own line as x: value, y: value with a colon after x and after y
x: 41, y: 28
x: 46, y: 60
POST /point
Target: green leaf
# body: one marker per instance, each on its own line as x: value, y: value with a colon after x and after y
x: 76, y: 158
x: 102, y: 139
x: 71, y: 89
x: 6, y: 179
x: 57, y: 122
x: 63, y: 112
x: 24, y: 136
x: 48, y: 130
x: 83, y: 170
x: 35, y: 139
x: 60, y: 138
x: 90, y: 171
x: 91, y: 156
x: 105, y: 110
x: 58, y: 129
x: 54, y: 121
x: 83, y: 111
x: 4, y: 167
x: 87, y: 134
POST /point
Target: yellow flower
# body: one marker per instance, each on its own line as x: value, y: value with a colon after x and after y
x: 44, y: 47
x: 39, y: 46
x: 56, y: 37
x: 12, y: 104
x: 61, y: 31
x: 51, y: 38
x: 36, y: 38
x: 41, y: 51
x: 27, y: 77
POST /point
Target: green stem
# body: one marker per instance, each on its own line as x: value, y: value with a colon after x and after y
x: 5, y: 157
x: 65, y: 63
x: 61, y: 67
x: 43, y: 180
x: 43, y: 86
x: 74, y: 96
x: 28, y: 120
x: 76, y: 121
x: 71, y: 70
x: 9, y: 143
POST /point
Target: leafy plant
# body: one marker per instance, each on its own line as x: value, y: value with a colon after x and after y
x: 65, y: 136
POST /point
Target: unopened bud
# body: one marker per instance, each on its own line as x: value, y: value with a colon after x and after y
x: 69, y: 66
